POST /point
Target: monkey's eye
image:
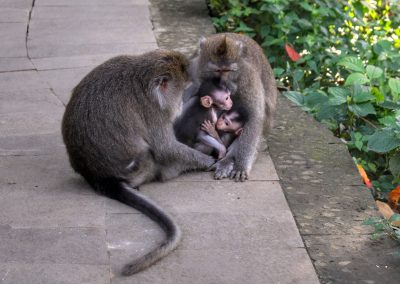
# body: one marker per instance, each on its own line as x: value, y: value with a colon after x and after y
x: 227, y: 98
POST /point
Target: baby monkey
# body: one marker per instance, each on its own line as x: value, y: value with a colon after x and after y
x: 208, y: 102
x: 228, y: 126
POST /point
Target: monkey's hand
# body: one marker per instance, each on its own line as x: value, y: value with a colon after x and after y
x: 239, y: 174
x: 223, y: 168
x: 209, y: 127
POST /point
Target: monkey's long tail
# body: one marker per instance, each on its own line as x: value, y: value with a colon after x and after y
x: 121, y: 191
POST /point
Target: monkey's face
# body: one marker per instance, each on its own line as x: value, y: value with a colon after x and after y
x: 218, y: 58
x: 222, y: 99
x: 227, y: 122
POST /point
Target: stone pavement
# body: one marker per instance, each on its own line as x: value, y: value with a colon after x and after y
x: 54, y: 229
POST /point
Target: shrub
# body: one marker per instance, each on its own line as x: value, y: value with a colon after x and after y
x: 348, y: 73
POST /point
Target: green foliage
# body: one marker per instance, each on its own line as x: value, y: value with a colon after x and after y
x: 384, y: 227
x: 348, y: 76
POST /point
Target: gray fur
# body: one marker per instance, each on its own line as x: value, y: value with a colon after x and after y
x: 253, y: 87
x: 118, y: 132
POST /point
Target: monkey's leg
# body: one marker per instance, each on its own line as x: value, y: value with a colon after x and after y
x: 176, y: 158
x: 203, y: 148
x: 243, y: 150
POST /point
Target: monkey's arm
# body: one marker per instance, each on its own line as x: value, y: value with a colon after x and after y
x: 209, y: 128
x: 176, y: 157
x: 242, y: 152
x: 213, y: 143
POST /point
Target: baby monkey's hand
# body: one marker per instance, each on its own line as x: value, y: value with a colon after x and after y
x: 209, y: 127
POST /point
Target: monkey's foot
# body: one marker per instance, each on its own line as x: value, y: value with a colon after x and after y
x: 223, y: 168
x: 239, y: 175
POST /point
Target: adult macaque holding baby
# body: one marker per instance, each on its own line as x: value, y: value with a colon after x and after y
x: 240, y: 64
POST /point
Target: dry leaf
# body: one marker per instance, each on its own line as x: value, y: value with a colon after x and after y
x: 384, y: 209
x: 394, y: 199
x: 364, y: 176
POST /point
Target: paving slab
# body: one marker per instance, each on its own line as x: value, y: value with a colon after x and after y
x: 12, y: 38
x: 58, y: 245
x: 49, y: 273
x: 22, y: 4
x: 28, y: 209
x: 32, y: 145
x: 90, y: 2
x: 17, y: 101
x: 68, y: 62
x: 46, y: 174
x: 25, y: 123
x: 13, y: 15
x: 213, y: 196
x: 263, y: 170
x: 224, y: 267
x: 62, y: 81
x: 38, y: 50
x: 12, y: 82
x: 15, y: 64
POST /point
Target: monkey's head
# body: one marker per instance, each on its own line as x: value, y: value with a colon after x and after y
x: 168, y: 77
x: 219, y: 57
x: 232, y: 121
x: 214, y: 94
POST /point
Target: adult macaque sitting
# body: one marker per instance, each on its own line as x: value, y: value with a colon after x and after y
x: 229, y: 125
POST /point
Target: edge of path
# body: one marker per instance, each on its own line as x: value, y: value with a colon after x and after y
x: 316, y: 171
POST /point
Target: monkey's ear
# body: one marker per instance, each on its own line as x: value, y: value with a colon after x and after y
x: 239, y: 131
x: 160, y: 90
x: 206, y: 101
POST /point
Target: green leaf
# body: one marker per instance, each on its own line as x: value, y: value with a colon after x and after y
x: 362, y: 94
x: 383, y: 141
x: 363, y: 109
x: 298, y: 75
x: 394, y: 217
x: 379, y: 96
x: 359, y: 145
x: 295, y: 97
x: 278, y: 71
x: 394, y: 84
x: 394, y: 165
x: 338, y: 96
x: 374, y: 72
x: 352, y: 63
x: 356, y: 78
x: 388, y: 120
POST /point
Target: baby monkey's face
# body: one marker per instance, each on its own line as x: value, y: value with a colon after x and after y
x: 228, y: 123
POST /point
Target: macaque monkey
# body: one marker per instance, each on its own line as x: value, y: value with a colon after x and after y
x: 240, y: 64
x: 228, y: 126
x: 118, y: 132
x: 210, y: 99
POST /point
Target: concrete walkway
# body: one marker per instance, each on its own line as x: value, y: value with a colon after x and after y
x: 54, y: 229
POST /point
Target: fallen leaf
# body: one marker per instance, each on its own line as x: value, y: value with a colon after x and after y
x: 364, y: 176
x: 292, y: 53
x: 394, y: 199
x: 384, y: 209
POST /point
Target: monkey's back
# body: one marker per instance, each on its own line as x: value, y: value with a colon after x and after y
x: 99, y: 125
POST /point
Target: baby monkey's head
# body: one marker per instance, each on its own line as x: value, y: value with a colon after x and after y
x: 232, y: 121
